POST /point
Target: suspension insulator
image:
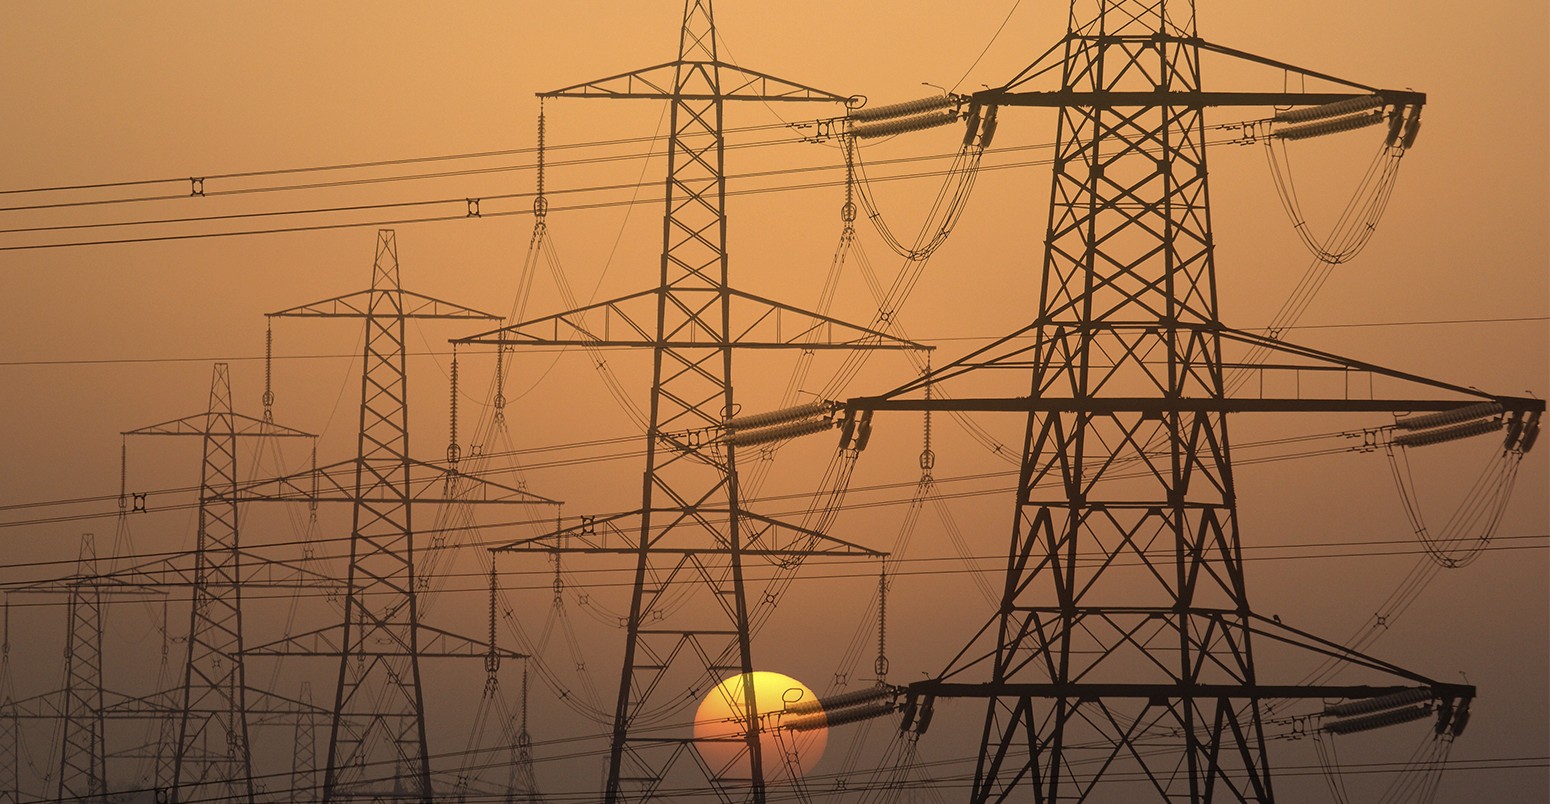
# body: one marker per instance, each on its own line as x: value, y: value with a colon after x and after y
x: 791, y: 414
x: 981, y: 126
x: 1305, y: 131
x: 1530, y: 434
x: 1441, y: 434
x: 834, y: 702
x: 1514, y: 431
x: 1328, y: 110
x: 1464, y: 414
x: 1392, y: 717
x: 765, y: 435
x: 904, y: 109
x: 903, y: 125
x: 927, y: 711
x: 907, y: 712
x: 1460, y: 720
x: 1378, y: 704
x: 855, y: 431
x: 1396, y: 128
x: 1412, y: 130
x: 863, y: 433
x: 988, y: 131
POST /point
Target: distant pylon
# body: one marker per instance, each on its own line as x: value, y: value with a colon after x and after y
x: 10, y: 729
x: 214, y: 704
x: 692, y: 529
x: 304, y: 764
x: 83, y: 750
x: 377, y: 742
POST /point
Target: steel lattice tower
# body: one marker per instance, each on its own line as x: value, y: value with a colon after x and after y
x: 83, y: 752
x: 214, y: 695
x: 377, y: 745
x: 1099, y: 675
x: 692, y: 529
x: 10, y: 728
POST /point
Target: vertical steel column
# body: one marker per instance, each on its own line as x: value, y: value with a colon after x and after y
x: 1127, y: 308
x: 83, y: 751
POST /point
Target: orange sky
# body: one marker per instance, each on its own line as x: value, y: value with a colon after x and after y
x: 102, y: 339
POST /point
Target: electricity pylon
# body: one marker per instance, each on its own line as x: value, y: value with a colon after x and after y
x: 83, y: 750
x: 377, y: 746
x: 692, y: 533
x: 1123, y: 649
x: 214, y: 702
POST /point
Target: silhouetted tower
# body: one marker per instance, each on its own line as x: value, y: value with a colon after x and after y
x: 304, y: 763
x: 10, y: 728
x: 212, y: 756
x: 83, y: 750
x: 377, y: 748
x: 692, y: 529
x: 1123, y: 649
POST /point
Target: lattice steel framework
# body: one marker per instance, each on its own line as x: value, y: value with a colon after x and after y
x: 214, y: 705
x: 84, y: 749
x: 377, y: 746
x: 692, y: 534
x: 1122, y: 653
x: 10, y: 728
x: 304, y: 762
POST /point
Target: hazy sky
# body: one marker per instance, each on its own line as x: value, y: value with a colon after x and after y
x: 102, y: 339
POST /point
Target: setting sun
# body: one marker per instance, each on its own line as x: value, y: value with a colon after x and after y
x: 720, y: 722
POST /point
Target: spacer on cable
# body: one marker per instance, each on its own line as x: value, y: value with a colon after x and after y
x: 473, y: 207
x: 196, y: 186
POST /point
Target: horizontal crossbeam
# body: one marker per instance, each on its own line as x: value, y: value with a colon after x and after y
x: 1183, y: 99
x: 1094, y: 691
x: 1155, y: 405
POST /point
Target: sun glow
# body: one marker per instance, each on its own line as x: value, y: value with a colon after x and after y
x: 720, y: 726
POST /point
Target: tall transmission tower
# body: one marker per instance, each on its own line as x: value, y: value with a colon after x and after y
x: 10, y: 726
x: 214, y: 695
x: 1122, y: 656
x: 688, y: 622
x: 377, y: 745
x: 83, y: 751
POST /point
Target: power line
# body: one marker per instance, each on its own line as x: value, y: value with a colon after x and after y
x: 481, y: 587
x: 94, y: 361
x: 341, y: 166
